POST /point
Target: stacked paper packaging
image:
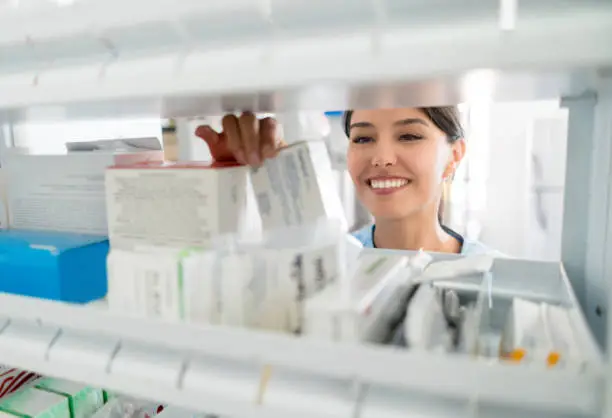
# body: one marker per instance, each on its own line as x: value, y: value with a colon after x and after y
x: 169, y: 224
x: 61, y: 192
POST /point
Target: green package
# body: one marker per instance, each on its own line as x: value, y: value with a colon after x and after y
x: 34, y: 403
x: 83, y: 401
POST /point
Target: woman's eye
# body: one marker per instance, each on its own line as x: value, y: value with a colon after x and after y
x: 410, y: 137
x: 362, y: 139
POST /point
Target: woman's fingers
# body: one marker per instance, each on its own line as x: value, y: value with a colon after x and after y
x: 245, y: 138
x: 217, y: 144
x: 208, y: 134
x: 249, y: 134
x: 268, y: 134
x: 231, y: 129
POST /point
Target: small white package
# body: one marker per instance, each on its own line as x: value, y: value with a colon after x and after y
x: 311, y: 257
x: 297, y: 187
x: 253, y: 293
x: 264, y: 285
x: 365, y: 307
x: 165, y: 284
x: 425, y: 326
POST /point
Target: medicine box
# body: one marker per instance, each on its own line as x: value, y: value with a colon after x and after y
x: 164, y: 283
x: 13, y: 380
x: 297, y: 187
x: 62, y: 192
x: 83, y: 401
x: 34, y: 403
x: 178, y: 205
x: 364, y: 310
x: 53, y: 265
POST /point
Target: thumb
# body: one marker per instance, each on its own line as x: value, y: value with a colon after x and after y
x: 217, y: 143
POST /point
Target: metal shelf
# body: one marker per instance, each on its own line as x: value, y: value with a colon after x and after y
x: 197, y: 57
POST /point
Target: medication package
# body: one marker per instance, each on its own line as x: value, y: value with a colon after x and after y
x: 297, y: 187
x: 13, y: 380
x: 435, y: 319
x: 542, y: 334
x: 127, y: 407
x: 246, y: 284
x: 34, y: 403
x: 178, y: 205
x: 369, y: 304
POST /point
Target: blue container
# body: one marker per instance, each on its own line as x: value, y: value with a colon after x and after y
x: 53, y: 265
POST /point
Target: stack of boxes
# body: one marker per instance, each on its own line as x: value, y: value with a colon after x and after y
x: 169, y: 223
x: 57, y: 223
x: 52, y: 398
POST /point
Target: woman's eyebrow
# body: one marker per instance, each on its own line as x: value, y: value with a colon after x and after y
x: 361, y: 125
x: 411, y: 121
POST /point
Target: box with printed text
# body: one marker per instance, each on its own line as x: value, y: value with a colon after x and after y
x: 178, y: 205
x: 297, y: 187
x: 62, y: 192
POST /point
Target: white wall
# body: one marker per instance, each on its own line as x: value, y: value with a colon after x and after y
x: 509, y: 223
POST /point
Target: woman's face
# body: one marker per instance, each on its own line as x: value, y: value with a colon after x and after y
x: 398, y: 160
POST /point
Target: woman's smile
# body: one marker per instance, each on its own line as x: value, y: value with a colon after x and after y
x: 385, y: 185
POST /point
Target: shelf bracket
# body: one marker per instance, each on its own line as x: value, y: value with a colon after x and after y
x: 113, y: 52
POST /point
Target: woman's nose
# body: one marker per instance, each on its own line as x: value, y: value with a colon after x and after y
x: 383, y: 155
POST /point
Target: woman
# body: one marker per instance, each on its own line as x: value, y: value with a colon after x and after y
x: 398, y: 159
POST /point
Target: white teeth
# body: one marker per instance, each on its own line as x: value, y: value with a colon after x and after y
x: 388, y: 184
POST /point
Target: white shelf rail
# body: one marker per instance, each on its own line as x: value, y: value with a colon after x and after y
x: 235, y: 372
x: 167, y: 51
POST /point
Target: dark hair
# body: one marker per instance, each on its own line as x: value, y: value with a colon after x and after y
x: 446, y: 118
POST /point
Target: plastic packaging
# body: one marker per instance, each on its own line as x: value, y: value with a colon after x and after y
x: 369, y: 304
x: 435, y: 318
x: 425, y: 326
x: 330, y: 315
x: 541, y: 334
x: 126, y: 407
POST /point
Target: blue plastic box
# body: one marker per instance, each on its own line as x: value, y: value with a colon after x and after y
x: 53, y: 265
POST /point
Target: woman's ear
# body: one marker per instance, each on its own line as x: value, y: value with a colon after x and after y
x: 456, y: 155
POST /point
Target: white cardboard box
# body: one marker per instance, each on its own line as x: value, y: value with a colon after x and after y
x: 164, y: 283
x: 61, y: 192
x: 297, y: 187
x: 177, y: 205
x: 362, y: 313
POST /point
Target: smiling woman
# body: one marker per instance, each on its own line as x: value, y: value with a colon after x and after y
x: 399, y: 160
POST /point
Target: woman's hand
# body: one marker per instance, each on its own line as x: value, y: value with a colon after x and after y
x: 245, y: 139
